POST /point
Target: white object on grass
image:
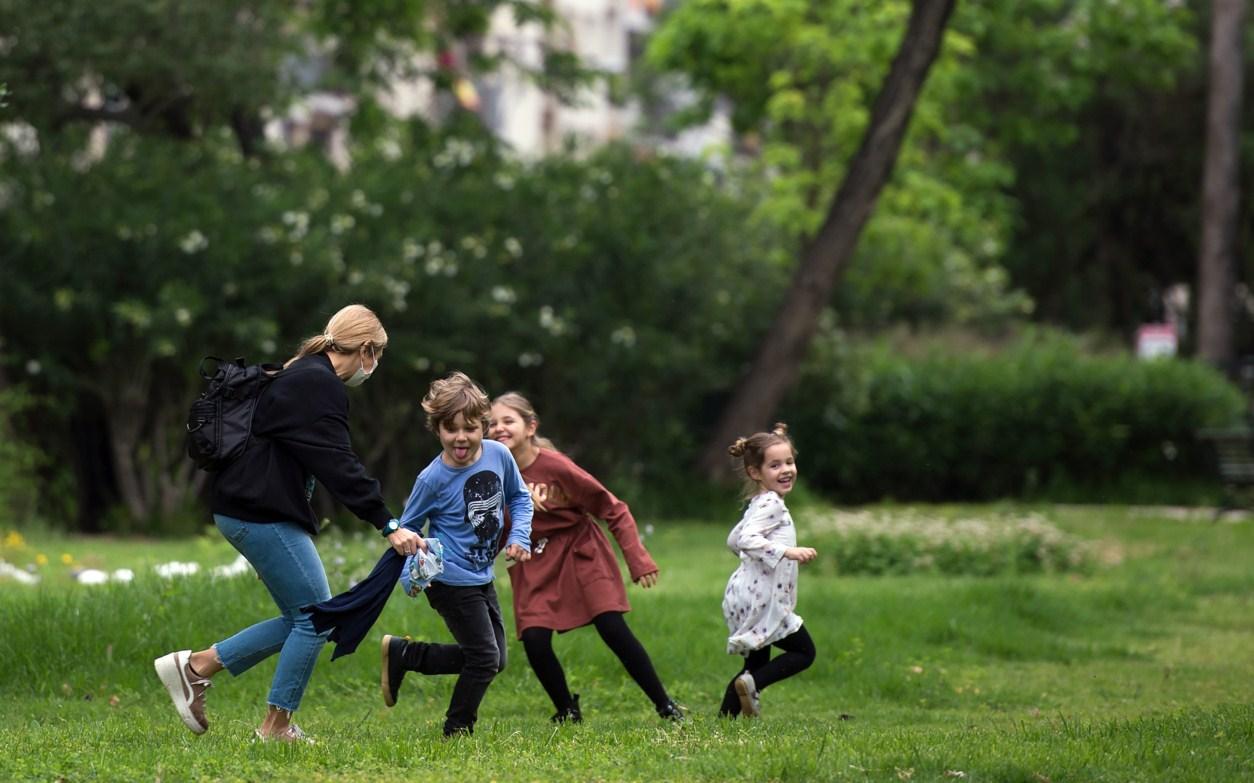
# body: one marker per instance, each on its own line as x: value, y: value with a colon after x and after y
x: 176, y: 568
x: 17, y: 574
x: 240, y: 566
x: 91, y: 576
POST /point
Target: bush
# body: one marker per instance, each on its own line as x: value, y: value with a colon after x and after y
x: 620, y: 312
x: 20, y: 463
x: 1037, y: 418
x: 866, y: 543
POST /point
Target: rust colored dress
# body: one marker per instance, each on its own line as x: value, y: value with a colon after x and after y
x: 576, y: 576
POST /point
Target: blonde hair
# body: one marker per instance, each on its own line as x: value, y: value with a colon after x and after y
x: 518, y: 403
x: 351, y: 329
x: 751, y: 451
x: 456, y: 394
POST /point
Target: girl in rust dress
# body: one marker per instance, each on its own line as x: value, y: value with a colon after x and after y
x: 572, y: 579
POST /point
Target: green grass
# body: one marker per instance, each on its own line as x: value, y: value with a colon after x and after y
x: 1142, y: 669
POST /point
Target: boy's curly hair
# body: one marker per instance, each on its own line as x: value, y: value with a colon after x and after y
x: 456, y: 394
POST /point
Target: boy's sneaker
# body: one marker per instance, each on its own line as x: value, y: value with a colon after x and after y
x: 747, y: 690
x: 570, y: 714
x: 393, y: 669
x: 672, y: 712
x: 186, y: 688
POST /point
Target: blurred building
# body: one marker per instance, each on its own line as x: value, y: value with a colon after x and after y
x: 608, y: 36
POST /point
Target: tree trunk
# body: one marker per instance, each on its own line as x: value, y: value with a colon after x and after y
x: 1217, y: 260
x: 824, y: 258
x: 125, y: 400
x: 154, y: 476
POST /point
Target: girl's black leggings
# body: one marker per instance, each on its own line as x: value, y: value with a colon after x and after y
x: 538, y: 644
x: 798, y: 654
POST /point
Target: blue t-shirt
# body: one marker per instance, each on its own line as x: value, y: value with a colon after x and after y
x: 466, y: 511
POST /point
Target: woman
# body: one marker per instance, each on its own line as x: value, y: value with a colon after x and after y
x: 260, y: 503
x: 572, y: 578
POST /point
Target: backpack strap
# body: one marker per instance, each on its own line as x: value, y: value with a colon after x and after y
x: 200, y: 368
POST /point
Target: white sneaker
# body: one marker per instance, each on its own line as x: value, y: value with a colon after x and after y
x: 747, y: 690
x: 186, y: 688
x: 292, y: 733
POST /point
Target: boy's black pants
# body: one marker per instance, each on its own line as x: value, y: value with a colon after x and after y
x: 473, y: 616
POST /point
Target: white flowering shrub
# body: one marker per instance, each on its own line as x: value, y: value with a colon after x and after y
x: 865, y: 542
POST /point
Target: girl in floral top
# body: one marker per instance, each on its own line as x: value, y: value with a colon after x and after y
x: 761, y: 595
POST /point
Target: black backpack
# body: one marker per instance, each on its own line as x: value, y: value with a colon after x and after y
x: 220, y: 421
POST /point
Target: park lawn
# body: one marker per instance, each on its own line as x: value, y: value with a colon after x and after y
x: 1142, y: 669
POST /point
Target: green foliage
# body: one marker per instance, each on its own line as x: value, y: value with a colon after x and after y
x: 871, y: 423
x: 166, y: 67
x: 1051, y: 166
x: 1098, y: 108
x: 801, y: 77
x: 509, y: 271
x: 20, y: 461
x: 192, y: 71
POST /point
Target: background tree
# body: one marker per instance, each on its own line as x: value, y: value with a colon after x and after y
x: 142, y: 207
x: 826, y: 249
x: 1217, y: 260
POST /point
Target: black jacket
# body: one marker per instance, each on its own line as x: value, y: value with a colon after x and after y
x: 300, y: 430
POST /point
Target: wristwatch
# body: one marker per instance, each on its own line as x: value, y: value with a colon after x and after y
x: 391, y: 527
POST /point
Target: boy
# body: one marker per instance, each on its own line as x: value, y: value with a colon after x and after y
x: 462, y: 494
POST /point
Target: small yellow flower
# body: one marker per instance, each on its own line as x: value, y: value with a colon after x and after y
x: 67, y: 558
x: 14, y: 540
x: 41, y: 559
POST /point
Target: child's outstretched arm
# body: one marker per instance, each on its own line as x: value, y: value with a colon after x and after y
x: 418, y: 508
x: 802, y: 554
x: 518, y: 498
x: 590, y: 495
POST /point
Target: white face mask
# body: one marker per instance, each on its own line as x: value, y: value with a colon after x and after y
x: 359, y: 377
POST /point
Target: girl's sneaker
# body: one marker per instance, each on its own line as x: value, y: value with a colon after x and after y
x: 747, y: 690
x: 186, y: 688
x: 570, y: 714
x: 672, y: 712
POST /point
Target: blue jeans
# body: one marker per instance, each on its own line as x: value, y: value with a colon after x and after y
x: 284, y: 556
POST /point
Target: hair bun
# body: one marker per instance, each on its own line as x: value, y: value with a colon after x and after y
x: 737, y: 449
x: 780, y: 429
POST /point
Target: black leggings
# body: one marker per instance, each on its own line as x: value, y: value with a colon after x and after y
x: 538, y: 644
x: 798, y: 654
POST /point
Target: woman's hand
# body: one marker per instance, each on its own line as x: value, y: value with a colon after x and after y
x: 406, y: 542
x: 802, y: 554
x: 647, y: 580
x: 516, y: 553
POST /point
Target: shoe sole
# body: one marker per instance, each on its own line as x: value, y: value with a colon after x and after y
x: 170, y: 670
x: 747, y: 707
x: 384, y: 683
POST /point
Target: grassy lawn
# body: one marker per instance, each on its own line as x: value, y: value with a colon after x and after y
x: 1139, y: 669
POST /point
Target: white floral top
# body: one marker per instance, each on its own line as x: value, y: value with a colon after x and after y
x: 762, y: 593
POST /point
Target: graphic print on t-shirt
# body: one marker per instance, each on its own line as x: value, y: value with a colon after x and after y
x: 483, y: 497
